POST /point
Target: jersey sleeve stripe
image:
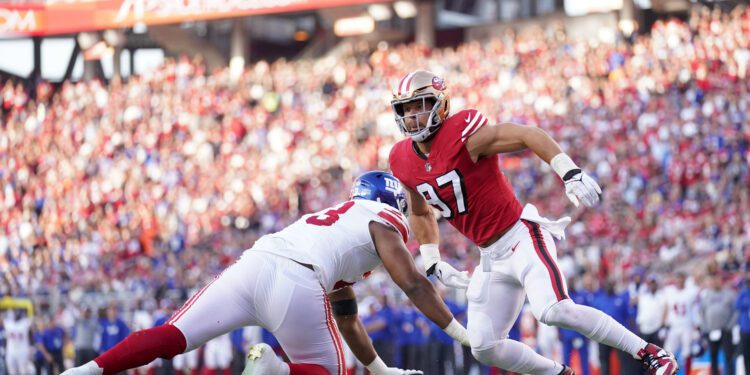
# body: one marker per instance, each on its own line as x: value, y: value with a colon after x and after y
x: 471, y: 124
x: 401, y: 218
x: 396, y: 224
x: 478, y: 121
x: 482, y: 122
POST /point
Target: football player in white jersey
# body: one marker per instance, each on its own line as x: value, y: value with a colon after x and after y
x: 682, y: 318
x: 17, y: 344
x: 297, y: 284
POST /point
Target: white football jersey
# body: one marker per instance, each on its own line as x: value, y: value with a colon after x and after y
x: 17, y: 334
x: 682, y: 304
x: 336, y: 241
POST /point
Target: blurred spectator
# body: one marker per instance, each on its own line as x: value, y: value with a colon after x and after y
x: 616, y: 305
x: 652, y: 311
x: 3, y: 368
x: 113, y: 329
x: 42, y: 358
x: 742, y: 307
x: 380, y: 324
x: 86, y: 337
x: 53, y: 338
x: 718, y: 317
x: 217, y: 355
x: 441, y: 346
x: 18, y: 342
x: 682, y: 318
x: 413, y: 332
x: 581, y: 292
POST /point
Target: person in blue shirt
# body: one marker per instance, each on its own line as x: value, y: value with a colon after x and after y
x: 743, y: 309
x: 441, y: 345
x: 412, y: 338
x: 53, y: 338
x: 41, y: 357
x: 616, y: 305
x: 379, y: 324
x: 113, y: 330
x: 573, y: 340
x: 238, y: 350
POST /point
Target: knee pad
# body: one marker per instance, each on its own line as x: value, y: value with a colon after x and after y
x: 563, y: 314
x: 484, y: 356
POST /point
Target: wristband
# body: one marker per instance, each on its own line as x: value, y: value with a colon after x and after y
x: 430, y: 256
x: 377, y: 366
x: 457, y: 331
x: 562, y: 164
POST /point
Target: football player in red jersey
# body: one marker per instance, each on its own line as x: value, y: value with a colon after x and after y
x: 451, y: 163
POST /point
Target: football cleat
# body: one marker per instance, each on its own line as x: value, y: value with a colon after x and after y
x: 261, y: 360
x: 567, y: 371
x: 658, y: 361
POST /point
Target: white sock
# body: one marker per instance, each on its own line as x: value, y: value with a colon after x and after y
x: 594, y: 324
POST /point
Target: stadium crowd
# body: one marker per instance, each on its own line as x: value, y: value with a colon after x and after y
x: 128, y: 196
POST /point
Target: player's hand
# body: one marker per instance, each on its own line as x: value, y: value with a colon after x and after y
x: 581, y: 186
x: 450, y: 276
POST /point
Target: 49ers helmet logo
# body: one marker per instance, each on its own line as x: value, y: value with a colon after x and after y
x: 438, y: 83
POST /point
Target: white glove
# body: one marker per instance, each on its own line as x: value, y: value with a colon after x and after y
x: 378, y: 367
x: 450, y: 276
x: 578, y: 185
x: 582, y: 186
x: 447, y: 275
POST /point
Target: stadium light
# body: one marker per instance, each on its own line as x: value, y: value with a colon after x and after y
x: 353, y: 26
x: 379, y: 12
x: 405, y: 9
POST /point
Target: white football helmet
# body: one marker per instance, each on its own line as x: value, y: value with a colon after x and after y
x: 430, y: 91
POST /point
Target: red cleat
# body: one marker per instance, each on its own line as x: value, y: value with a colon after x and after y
x: 658, y: 361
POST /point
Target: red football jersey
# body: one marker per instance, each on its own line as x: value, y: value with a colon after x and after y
x: 476, y: 198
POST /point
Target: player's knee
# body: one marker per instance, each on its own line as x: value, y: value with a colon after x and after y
x: 562, y: 314
x: 484, y: 356
x: 494, y: 354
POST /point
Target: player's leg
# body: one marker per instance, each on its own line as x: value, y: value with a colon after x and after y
x: 495, y: 300
x: 306, y: 328
x: 220, y: 306
x: 546, y: 288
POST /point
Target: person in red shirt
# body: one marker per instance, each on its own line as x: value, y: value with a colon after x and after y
x: 451, y: 163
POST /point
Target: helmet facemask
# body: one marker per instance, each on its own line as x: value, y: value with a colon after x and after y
x: 430, y: 105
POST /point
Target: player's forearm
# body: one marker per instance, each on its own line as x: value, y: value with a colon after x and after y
x: 424, y: 296
x: 541, y: 143
x: 425, y: 228
x: 354, y: 333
